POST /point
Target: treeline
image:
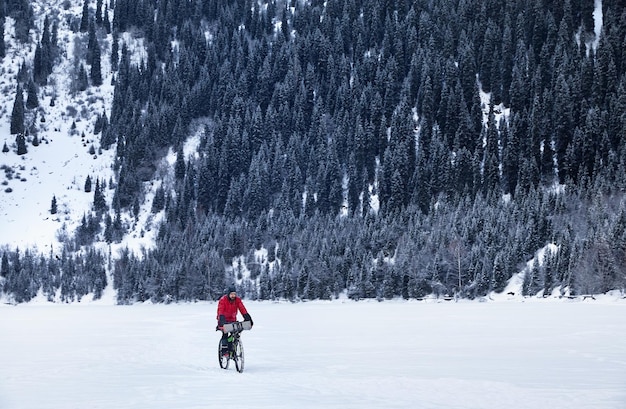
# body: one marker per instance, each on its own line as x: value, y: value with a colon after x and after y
x: 61, y: 278
x: 468, y: 248
x: 350, y: 141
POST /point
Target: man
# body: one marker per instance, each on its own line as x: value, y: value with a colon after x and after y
x: 227, y: 308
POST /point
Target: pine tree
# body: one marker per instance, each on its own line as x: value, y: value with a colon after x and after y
x: 96, y: 67
x: 114, y: 52
x: 92, y: 42
x: 99, y: 202
x: 2, y: 45
x: 180, y: 166
x: 53, y: 205
x: 106, y: 23
x: 84, y: 21
x: 81, y: 80
x: 549, y: 264
x: 491, y: 161
x: 563, y: 124
x: 17, y: 115
x: 20, y: 139
x: 32, y: 101
x: 99, y: 12
x: 158, y: 202
x: 88, y: 184
x: 4, y: 265
x: 510, y: 156
x: 44, y: 55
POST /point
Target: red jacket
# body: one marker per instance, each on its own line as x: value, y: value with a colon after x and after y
x: 229, y: 308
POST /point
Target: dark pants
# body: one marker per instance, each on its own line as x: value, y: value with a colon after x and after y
x: 226, y: 346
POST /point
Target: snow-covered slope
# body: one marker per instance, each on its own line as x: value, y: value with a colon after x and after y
x: 60, y: 165
x: 65, y: 121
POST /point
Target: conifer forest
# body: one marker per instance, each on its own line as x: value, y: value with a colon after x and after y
x: 378, y: 148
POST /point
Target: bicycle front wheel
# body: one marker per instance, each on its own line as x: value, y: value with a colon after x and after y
x: 238, y: 356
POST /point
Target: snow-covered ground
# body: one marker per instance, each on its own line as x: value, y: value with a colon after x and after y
x: 340, y: 354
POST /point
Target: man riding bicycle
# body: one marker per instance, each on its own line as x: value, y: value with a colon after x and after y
x: 227, y: 308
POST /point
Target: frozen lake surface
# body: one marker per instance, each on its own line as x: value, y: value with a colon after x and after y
x: 340, y: 354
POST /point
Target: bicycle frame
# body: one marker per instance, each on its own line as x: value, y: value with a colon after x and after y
x: 236, y: 353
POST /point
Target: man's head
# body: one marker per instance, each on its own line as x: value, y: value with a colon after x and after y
x: 232, y: 292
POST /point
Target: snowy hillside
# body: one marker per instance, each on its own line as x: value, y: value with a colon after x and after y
x: 69, y: 151
x: 60, y: 165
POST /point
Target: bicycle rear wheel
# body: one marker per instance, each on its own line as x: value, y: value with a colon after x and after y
x: 238, y: 355
x: 223, y: 360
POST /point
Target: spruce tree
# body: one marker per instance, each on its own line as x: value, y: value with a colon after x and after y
x: 20, y: 139
x: 84, y: 21
x: 2, y: 45
x: 158, y: 202
x: 105, y: 22
x: 115, y: 52
x: 17, y: 115
x: 99, y: 202
x: 92, y: 41
x: 99, y: 12
x: 81, y: 81
x: 88, y: 184
x: 179, y: 166
x: 4, y: 265
x: 96, y: 67
x: 53, y: 205
x: 32, y: 101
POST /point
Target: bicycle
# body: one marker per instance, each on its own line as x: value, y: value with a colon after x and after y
x: 235, y: 347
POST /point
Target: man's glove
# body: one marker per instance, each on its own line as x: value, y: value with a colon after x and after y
x: 218, y: 328
x: 221, y: 320
x: 246, y: 317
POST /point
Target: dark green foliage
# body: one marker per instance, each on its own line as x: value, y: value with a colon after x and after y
x: 238, y: 177
x: 22, y: 12
x: 17, y: 115
x: 53, y: 205
x: 81, y: 82
x: 86, y: 232
x: 96, y: 68
x: 101, y: 124
x: 105, y: 21
x: 358, y: 151
x: 158, y: 203
x: 114, y: 51
x: 20, y: 140
x: 99, y: 202
x: 88, y: 184
x: 179, y: 167
x: 92, y: 43
x: 84, y: 21
x: 4, y: 265
x: 98, y: 16
x: 45, y: 54
x: 2, y: 44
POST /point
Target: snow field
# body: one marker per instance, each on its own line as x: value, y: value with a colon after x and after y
x: 338, y: 354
